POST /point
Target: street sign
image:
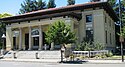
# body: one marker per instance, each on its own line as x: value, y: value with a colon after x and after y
x: 121, y: 39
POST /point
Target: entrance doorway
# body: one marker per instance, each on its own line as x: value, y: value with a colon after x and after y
x: 35, y: 43
x: 14, y: 43
x: 26, y: 41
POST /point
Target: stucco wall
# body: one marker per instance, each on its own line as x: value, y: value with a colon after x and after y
x: 33, y: 24
x: 99, y: 27
x: 110, y: 28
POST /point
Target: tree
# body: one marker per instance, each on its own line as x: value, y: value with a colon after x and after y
x: 71, y: 2
x: 41, y: 5
x: 112, y: 2
x: 115, y: 6
x: 3, y: 26
x: 51, y: 4
x: 29, y: 6
x: 116, y: 9
x: 60, y: 33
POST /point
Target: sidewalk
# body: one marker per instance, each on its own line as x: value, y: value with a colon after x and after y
x: 105, y: 61
x: 57, y: 61
x: 32, y: 60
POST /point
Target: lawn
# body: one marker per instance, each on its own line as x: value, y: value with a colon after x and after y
x: 115, y: 57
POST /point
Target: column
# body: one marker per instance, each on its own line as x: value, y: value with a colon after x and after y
x: 40, y: 38
x: 20, y: 38
x: 30, y: 44
x: 9, y: 38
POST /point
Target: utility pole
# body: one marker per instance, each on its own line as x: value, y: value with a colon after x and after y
x: 121, y: 37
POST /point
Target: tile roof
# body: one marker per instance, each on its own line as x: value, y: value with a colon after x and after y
x: 105, y: 6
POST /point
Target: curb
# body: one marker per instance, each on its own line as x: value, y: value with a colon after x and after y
x: 29, y: 60
x: 67, y: 62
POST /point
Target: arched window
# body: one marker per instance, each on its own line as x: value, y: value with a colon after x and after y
x: 35, y: 32
x: 15, y: 33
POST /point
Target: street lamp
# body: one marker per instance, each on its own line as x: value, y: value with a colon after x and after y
x: 121, y: 37
x: 3, y: 38
x: 62, y: 51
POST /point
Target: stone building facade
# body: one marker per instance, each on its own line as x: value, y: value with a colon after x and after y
x: 94, y: 21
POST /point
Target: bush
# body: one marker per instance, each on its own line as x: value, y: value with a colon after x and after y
x: 71, y: 57
x: 98, y: 46
x: 89, y: 46
x: 99, y: 56
x: 109, y: 54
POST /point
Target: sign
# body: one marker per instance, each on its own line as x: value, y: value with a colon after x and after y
x: 121, y: 39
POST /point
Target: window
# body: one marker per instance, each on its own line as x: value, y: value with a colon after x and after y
x: 88, y: 18
x: 89, y: 28
x: 35, y: 32
x: 106, y: 37
x: 110, y: 38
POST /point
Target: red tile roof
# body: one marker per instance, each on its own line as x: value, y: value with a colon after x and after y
x: 105, y: 6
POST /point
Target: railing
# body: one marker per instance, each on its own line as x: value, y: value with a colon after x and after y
x: 89, y: 53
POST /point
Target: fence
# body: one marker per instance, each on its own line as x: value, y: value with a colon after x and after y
x: 89, y: 53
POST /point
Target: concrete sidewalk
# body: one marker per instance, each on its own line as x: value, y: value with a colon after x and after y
x: 57, y: 61
x: 32, y: 60
x: 105, y: 61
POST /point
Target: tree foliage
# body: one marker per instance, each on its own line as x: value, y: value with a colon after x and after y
x: 2, y: 25
x: 71, y: 2
x: 5, y: 15
x: 51, y: 4
x: 32, y: 5
x: 60, y: 33
x: 112, y: 2
x: 115, y: 6
x: 121, y: 33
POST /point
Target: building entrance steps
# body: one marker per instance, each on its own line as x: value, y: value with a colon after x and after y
x: 33, y: 54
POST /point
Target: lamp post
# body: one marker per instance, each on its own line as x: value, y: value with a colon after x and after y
x: 121, y: 37
x: 3, y: 38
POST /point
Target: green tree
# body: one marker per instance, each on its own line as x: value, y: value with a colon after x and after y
x: 29, y: 6
x: 60, y: 33
x: 112, y: 2
x: 115, y: 6
x: 3, y: 26
x: 41, y: 5
x: 51, y: 4
x: 71, y: 2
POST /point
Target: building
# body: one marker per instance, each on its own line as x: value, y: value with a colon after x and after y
x: 93, y: 20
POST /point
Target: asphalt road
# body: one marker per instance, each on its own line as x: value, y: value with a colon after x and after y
x: 34, y: 64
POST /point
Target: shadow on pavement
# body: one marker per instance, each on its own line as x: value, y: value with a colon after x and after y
x: 74, y: 62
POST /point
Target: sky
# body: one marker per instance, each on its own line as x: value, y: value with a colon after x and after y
x: 13, y: 6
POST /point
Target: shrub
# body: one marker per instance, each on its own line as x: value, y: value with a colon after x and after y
x: 98, y: 46
x: 89, y: 46
x: 109, y: 54
x: 82, y: 57
x: 71, y: 57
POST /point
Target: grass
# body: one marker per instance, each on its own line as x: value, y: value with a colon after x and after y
x: 115, y: 57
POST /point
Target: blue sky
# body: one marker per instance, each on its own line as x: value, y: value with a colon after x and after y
x: 13, y: 6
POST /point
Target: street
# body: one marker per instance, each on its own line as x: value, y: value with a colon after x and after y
x: 36, y: 64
